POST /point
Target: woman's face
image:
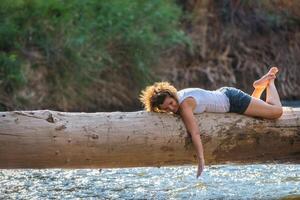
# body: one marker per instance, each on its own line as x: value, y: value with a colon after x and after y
x: 169, y: 105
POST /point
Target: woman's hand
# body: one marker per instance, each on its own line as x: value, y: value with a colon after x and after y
x: 200, y: 166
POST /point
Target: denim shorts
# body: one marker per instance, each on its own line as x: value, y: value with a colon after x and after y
x: 239, y: 100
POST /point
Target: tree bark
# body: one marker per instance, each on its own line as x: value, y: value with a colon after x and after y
x: 50, y: 139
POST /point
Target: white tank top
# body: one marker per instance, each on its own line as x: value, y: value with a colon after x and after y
x: 206, y: 100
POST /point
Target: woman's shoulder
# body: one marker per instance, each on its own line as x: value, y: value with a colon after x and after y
x: 188, y: 102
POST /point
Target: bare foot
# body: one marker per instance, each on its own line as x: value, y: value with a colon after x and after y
x: 264, y: 80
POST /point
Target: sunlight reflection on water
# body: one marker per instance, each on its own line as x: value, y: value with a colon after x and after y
x: 260, y: 181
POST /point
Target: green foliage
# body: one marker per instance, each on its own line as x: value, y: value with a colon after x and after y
x: 11, y: 75
x: 126, y: 33
x: 78, y: 39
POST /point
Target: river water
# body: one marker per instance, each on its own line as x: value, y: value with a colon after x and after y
x: 259, y: 181
x: 230, y: 181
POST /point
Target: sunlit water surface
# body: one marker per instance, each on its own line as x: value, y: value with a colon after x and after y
x: 259, y: 181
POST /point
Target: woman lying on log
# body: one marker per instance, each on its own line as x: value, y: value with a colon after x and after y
x: 163, y: 97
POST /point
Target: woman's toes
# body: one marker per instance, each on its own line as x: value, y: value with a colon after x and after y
x: 273, y: 70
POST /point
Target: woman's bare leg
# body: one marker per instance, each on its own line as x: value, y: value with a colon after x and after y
x: 272, y: 94
x: 259, y: 108
x: 272, y: 108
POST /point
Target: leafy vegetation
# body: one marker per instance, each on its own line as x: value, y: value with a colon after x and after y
x: 76, y: 40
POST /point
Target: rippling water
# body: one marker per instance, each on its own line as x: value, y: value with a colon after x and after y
x: 259, y: 181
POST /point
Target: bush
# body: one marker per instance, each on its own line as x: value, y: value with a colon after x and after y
x: 78, y: 39
x: 11, y: 75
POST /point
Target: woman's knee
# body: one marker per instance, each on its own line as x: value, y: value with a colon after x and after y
x: 277, y: 112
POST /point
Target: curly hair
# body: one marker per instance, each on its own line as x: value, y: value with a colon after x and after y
x: 154, y: 95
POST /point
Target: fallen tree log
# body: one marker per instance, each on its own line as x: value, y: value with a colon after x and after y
x: 50, y: 139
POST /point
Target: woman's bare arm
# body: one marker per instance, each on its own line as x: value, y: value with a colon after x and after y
x: 187, y: 115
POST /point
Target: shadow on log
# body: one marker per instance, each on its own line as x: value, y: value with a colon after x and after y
x: 50, y: 139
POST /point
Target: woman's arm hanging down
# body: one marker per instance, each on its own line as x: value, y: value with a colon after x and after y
x: 186, y: 112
